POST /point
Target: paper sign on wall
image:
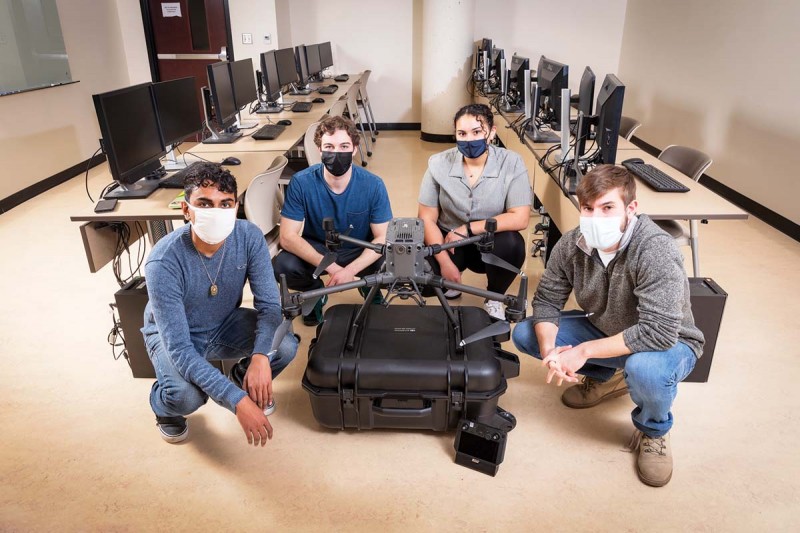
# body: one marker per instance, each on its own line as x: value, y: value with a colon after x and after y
x: 171, y: 9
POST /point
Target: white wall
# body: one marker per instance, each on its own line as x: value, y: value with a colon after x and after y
x: 575, y: 32
x: 378, y: 35
x: 129, y: 13
x: 47, y: 131
x: 256, y: 17
x: 721, y: 76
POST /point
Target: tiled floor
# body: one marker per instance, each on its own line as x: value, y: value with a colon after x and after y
x: 79, y: 449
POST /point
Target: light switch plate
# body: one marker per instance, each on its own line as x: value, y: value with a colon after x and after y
x: 247, y: 38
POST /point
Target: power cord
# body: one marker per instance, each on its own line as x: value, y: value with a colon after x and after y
x: 86, y: 177
x: 123, y: 236
x: 116, y: 337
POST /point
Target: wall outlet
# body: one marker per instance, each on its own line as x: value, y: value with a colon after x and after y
x: 268, y: 39
x: 247, y: 38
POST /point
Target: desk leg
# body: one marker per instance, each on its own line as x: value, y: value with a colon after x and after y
x: 694, y: 245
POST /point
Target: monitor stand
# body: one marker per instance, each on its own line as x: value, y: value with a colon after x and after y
x: 299, y: 90
x: 141, y: 189
x: 542, y: 136
x: 222, y: 138
x: 172, y: 164
x: 245, y: 124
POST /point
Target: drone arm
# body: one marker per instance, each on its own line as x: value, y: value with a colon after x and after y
x: 374, y: 246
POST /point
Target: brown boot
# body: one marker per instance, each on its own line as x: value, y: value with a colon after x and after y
x: 654, y: 464
x: 591, y: 392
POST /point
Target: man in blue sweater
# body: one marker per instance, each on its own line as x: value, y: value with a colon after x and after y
x: 195, y: 276
x: 356, y: 200
x: 636, y: 335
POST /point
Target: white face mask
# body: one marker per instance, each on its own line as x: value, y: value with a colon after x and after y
x: 213, y: 224
x: 601, y: 233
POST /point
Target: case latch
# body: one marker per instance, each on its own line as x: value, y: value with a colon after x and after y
x: 457, y: 399
x: 347, y: 397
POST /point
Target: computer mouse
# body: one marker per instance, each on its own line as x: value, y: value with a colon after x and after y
x: 318, y: 100
x: 285, y: 122
x: 634, y: 160
x: 231, y: 161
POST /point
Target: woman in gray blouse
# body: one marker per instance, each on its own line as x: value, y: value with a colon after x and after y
x: 464, y: 186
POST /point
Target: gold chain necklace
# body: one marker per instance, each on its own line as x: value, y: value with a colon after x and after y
x: 213, y: 290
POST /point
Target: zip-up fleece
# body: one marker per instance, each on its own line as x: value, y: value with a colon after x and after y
x: 643, y: 293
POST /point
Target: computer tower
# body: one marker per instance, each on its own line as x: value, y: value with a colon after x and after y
x: 708, y: 303
x: 131, y: 301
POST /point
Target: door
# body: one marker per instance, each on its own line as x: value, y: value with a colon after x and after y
x: 184, y: 36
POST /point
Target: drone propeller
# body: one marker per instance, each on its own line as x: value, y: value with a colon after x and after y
x: 327, y: 260
x: 284, y: 328
x: 308, y: 305
x: 497, y: 328
x: 496, y: 261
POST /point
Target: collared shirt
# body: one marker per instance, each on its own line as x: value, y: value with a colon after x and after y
x: 504, y: 184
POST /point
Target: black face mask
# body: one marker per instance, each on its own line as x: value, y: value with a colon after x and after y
x: 337, y: 163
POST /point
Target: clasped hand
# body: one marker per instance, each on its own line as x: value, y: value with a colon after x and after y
x: 563, y: 363
x: 257, y: 384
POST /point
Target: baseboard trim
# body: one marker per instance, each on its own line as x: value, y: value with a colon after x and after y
x: 10, y: 202
x: 767, y: 215
x: 396, y: 126
x: 437, y: 138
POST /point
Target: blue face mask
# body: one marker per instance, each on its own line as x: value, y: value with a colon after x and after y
x: 472, y: 149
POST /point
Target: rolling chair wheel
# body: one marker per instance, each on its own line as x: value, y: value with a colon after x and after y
x: 377, y: 132
x: 363, y: 163
x: 369, y: 154
x: 373, y: 140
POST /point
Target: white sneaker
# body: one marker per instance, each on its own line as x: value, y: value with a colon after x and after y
x: 452, y: 294
x: 268, y: 410
x: 495, y: 309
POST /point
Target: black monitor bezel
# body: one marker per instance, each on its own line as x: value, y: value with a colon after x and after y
x: 213, y: 71
x: 112, y: 149
x: 301, y: 64
x: 312, y: 53
x: 519, y: 64
x: 272, y: 86
x: 586, y: 91
x: 609, y: 114
x: 552, y: 76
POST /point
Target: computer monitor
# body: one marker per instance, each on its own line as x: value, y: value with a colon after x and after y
x: 516, y: 80
x: 132, y: 139
x: 287, y: 68
x: 300, y: 64
x: 269, y: 75
x: 244, y: 82
x: 485, y: 45
x: 586, y: 92
x: 178, y: 114
x: 221, y: 86
x: 325, y: 55
x: 314, y: 59
x: 552, y: 77
x: 609, y: 115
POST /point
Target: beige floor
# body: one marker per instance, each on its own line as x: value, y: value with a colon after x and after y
x: 79, y: 449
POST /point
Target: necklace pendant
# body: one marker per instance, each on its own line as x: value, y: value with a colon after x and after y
x: 213, y: 290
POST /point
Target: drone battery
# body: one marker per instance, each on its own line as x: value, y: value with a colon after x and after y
x: 404, y: 369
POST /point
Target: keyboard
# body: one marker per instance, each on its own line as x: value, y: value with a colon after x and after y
x: 654, y: 178
x: 175, y: 179
x: 328, y: 89
x: 342, y: 77
x: 302, y: 107
x: 268, y: 132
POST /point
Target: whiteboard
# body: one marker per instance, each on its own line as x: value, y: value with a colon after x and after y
x: 32, y: 51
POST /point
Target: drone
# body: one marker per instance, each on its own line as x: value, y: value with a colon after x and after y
x: 403, y: 273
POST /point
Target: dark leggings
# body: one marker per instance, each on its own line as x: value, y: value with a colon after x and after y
x: 508, y: 245
x: 299, y: 273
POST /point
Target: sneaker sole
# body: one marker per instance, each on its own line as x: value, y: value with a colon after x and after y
x: 269, y: 409
x: 652, y: 482
x: 175, y: 439
x: 609, y: 396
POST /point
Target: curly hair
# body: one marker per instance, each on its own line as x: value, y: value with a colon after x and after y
x: 330, y: 125
x: 482, y: 112
x: 208, y: 175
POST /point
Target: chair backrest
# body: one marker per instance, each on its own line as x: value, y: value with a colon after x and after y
x: 312, y: 152
x: 688, y: 160
x: 260, y: 206
x: 352, y: 102
x: 337, y: 109
x: 627, y: 127
x: 363, y: 84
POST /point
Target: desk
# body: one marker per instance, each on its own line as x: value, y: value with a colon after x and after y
x: 246, y: 144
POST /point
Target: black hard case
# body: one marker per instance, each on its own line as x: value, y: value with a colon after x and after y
x: 404, y: 370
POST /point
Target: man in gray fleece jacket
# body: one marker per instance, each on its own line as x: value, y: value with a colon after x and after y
x: 636, y: 333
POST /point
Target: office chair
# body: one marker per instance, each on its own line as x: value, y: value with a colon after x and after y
x: 692, y: 163
x: 352, y: 110
x: 363, y: 102
x: 338, y: 107
x: 313, y: 156
x: 628, y: 126
x: 260, y: 199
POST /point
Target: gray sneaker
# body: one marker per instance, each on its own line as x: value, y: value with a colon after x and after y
x: 591, y: 392
x: 174, y: 429
x: 654, y: 464
x: 268, y: 410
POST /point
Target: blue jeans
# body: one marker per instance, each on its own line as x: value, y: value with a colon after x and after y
x: 652, y: 377
x: 172, y: 395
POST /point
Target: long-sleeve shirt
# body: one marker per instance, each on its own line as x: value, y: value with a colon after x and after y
x: 182, y: 311
x: 642, y: 293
